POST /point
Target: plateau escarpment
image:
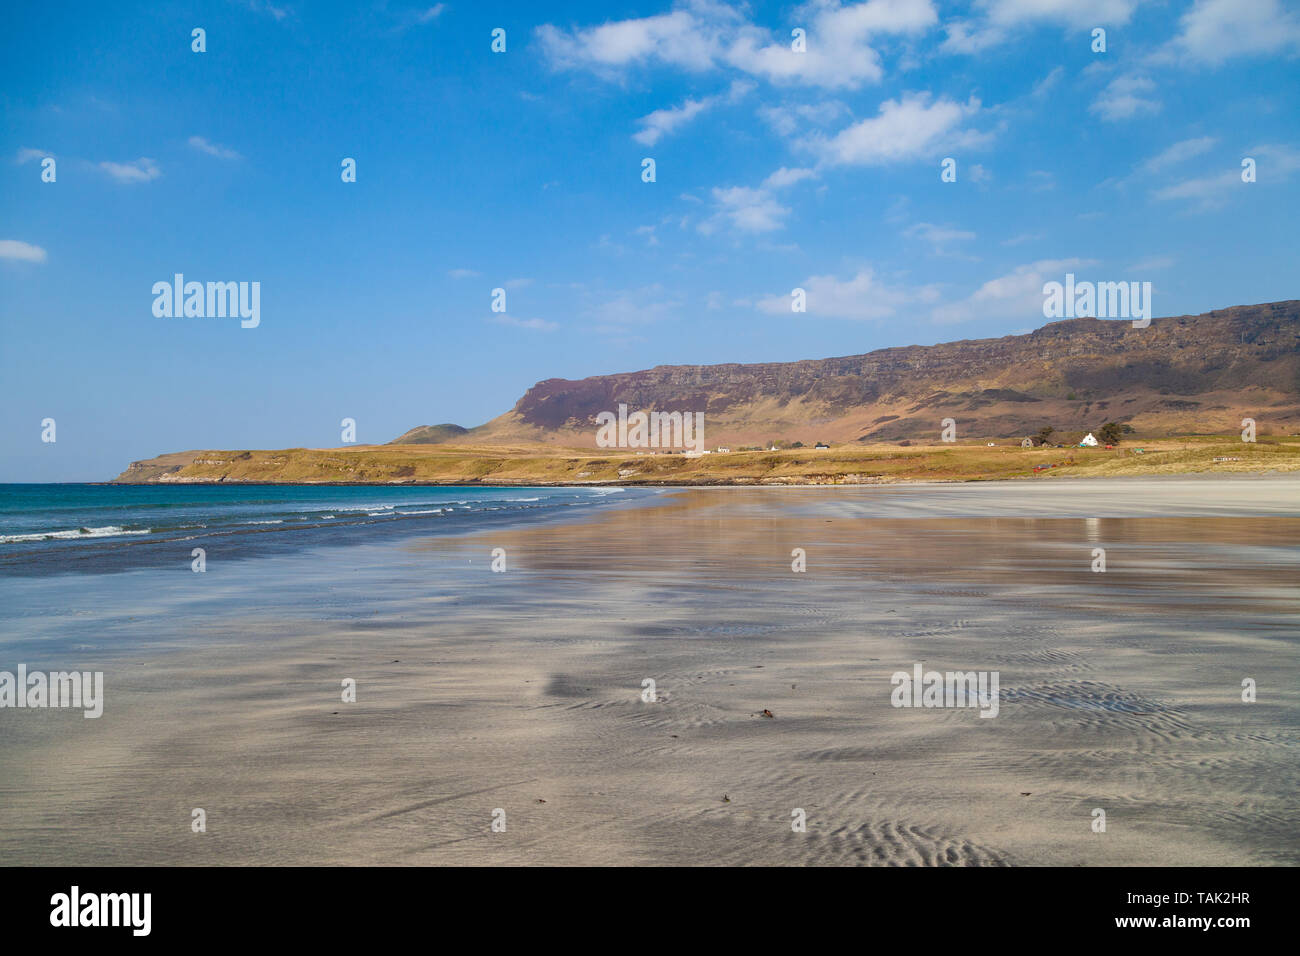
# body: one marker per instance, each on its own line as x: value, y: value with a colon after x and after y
x: 1183, y: 376
x: 1190, y: 374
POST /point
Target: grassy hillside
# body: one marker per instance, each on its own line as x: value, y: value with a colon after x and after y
x: 847, y: 464
x: 430, y: 435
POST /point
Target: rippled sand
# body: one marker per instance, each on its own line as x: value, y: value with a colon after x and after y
x: 521, y: 691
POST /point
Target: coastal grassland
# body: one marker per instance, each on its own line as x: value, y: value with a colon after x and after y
x: 536, y: 464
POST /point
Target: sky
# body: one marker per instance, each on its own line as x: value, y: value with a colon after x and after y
x: 523, y: 170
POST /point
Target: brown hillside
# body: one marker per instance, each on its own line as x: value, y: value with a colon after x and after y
x: 1182, y: 375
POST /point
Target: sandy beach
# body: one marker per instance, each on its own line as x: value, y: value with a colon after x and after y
x: 521, y: 691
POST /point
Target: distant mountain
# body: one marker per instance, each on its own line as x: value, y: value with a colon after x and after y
x: 430, y: 435
x: 1188, y: 374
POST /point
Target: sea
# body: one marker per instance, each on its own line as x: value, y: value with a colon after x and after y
x: 101, y: 528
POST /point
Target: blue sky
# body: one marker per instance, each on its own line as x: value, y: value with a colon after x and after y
x: 522, y: 170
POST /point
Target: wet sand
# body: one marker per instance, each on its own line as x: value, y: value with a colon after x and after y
x: 521, y: 691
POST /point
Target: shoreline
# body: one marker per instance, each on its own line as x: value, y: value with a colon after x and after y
x: 239, y: 537
x: 128, y: 551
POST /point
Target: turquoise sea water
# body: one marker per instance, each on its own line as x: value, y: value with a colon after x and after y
x: 97, y: 528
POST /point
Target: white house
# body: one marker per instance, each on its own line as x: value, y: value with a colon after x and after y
x: 722, y: 450
x: 1088, y: 441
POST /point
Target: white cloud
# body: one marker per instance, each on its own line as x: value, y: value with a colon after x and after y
x: 840, y: 51
x: 463, y: 273
x: 1047, y: 83
x: 911, y: 128
x: 1070, y: 13
x: 1206, y: 191
x: 1273, y: 164
x: 748, y: 209
x: 787, y: 177
x: 937, y: 236
x: 261, y: 6
x: 1123, y: 98
x: 213, y: 149
x: 970, y: 38
x: 898, y: 211
x: 1278, y: 162
x: 537, y: 325
x: 26, y: 155
x: 754, y: 209
x: 140, y: 171
x: 1216, y: 30
x: 702, y: 35
x: 999, y: 20
x: 788, y: 120
x: 22, y: 251
x: 1018, y: 293
x: 862, y: 297
x: 1179, y: 152
x: 660, y: 123
x: 676, y: 39
x: 431, y: 14
x: 633, y: 307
